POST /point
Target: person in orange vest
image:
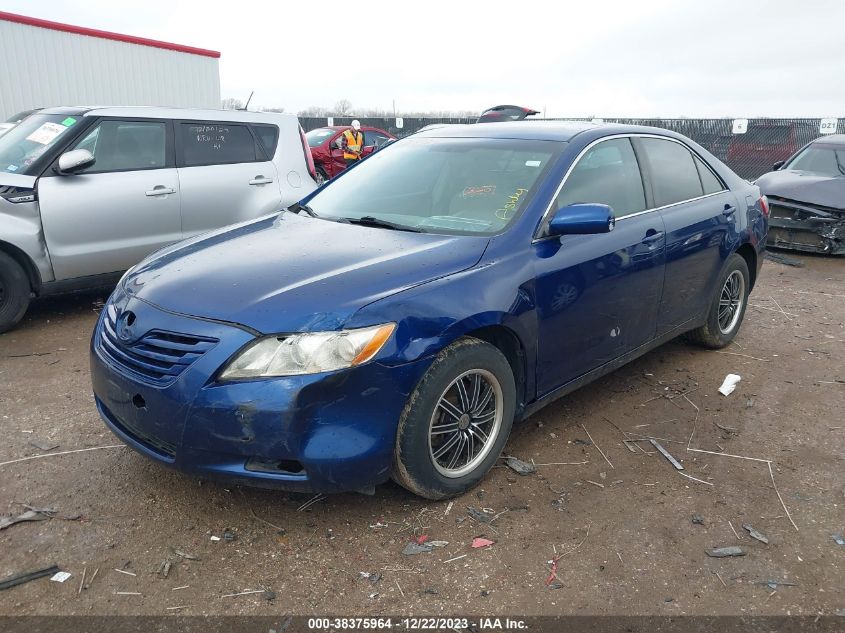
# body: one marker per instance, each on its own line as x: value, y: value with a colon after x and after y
x: 352, y: 143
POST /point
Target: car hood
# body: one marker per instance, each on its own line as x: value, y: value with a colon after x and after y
x: 824, y: 191
x: 288, y: 273
x: 16, y: 180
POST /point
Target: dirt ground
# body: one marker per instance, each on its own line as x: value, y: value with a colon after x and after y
x: 623, y: 533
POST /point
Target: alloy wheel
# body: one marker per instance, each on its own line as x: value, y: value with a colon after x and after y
x: 731, y: 302
x: 465, y: 423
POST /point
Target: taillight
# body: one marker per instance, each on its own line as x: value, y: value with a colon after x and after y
x: 306, y: 150
x: 764, y: 204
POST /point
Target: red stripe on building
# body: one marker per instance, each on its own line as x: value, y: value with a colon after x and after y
x: 106, y: 35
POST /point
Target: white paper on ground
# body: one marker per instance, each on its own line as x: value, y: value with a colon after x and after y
x: 731, y: 381
x: 60, y: 576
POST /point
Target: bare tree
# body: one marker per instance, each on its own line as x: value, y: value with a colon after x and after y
x: 314, y: 111
x: 343, y: 107
x: 230, y: 103
x: 273, y: 110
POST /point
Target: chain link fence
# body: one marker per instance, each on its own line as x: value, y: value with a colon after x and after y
x: 748, y: 146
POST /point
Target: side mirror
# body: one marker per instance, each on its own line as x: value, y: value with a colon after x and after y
x: 74, y: 161
x: 778, y: 165
x: 582, y: 219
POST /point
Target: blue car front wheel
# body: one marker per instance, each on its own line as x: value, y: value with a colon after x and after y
x: 456, y: 421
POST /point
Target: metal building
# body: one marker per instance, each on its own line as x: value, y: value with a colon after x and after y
x: 50, y: 64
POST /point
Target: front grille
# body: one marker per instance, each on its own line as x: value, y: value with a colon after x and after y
x: 158, y: 357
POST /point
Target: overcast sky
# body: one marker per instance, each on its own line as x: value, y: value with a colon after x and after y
x: 600, y: 58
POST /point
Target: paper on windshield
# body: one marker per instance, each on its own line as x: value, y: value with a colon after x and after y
x: 46, y: 133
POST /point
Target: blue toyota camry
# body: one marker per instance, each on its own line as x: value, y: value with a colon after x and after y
x: 398, y: 321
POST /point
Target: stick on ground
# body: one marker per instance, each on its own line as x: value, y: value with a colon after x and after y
x: 597, y: 446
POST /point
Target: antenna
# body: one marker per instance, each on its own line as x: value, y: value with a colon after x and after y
x: 246, y: 105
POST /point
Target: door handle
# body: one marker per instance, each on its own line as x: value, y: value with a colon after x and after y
x: 160, y: 190
x: 653, y: 236
x: 729, y: 210
x: 260, y: 180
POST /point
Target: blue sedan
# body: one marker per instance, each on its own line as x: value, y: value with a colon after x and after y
x: 398, y: 321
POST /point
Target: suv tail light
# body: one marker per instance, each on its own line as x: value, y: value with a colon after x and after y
x: 309, y: 160
x: 764, y: 204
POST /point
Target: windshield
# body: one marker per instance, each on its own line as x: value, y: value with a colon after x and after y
x: 25, y: 143
x: 823, y: 160
x: 441, y: 185
x: 317, y: 137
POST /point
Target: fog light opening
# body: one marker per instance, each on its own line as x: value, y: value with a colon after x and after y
x: 280, y: 466
x: 138, y: 401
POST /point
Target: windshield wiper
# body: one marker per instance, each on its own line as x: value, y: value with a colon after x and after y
x: 369, y: 220
x: 297, y: 207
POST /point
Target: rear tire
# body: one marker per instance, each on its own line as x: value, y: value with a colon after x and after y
x: 456, y: 421
x: 727, y: 307
x: 14, y: 292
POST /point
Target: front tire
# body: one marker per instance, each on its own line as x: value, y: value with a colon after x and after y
x: 456, y: 421
x: 727, y: 308
x: 322, y: 177
x: 14, y: 292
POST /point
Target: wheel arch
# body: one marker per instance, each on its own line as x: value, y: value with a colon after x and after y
x: 749, y: 254
x: 25, y: 262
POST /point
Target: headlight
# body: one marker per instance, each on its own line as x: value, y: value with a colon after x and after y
x: 310, y: 353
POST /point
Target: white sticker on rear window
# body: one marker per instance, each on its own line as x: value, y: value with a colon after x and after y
x: 46, y: 133
x: 533, y: 163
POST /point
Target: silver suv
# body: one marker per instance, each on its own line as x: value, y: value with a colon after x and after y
x: 86, y: 193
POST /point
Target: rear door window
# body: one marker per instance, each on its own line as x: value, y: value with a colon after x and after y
x: 674, y: 177
x: 212, y: 143
x: 126, y: 145
x: 268, y: 136
x: 607, y: 174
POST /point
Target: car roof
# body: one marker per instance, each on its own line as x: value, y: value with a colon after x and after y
x: 831, y: 139
x: 540, y: 130
x: 157, y: 112
x: 346, y: 127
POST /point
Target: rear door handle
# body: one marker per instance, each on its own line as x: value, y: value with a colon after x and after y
x: 160, y: 190
x: 728, y: 210
x: 650, y: 238
x: 260, y: 180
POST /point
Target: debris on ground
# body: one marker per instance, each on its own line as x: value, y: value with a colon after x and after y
x: 479, y: 515
x: 729, y: 384
x: 164, y: 568
x: 60, y: 576
x: 413, y: 548
x: 555, y: 585
x: 578, y: 440
x: 438, y: 543
x: 19, y: 579
x: 666, y: 454
x: 520, y: 467
x: 774, y: 584
x: 185, y: 555
x: 44, y: 445
x: 755, y: 534
x: 723, y: 552
x: 481, y: 542
x: 372, y: 576
x: 229, y: 535
x: 32, y: 514
x: 838, y: 539
x: 697, y: 519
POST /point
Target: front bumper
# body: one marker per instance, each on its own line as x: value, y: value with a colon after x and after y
x: 804, y: 227
x: 321, y: 433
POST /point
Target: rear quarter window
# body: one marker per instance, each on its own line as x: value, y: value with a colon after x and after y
x: 212, y: 143
x: 268, y: 136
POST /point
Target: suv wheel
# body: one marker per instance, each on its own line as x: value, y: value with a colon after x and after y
x: 321, y: 178
x: 727, y: 308
x: 14, y: 292
x: 456, y: 421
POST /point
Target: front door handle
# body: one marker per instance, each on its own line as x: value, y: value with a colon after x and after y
x: 260, y: 180
x: 160, y: 190
x: 728, y: 210
x: 653, y: 236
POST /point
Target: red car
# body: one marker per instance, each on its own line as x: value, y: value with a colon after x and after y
x: 328, y: 156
